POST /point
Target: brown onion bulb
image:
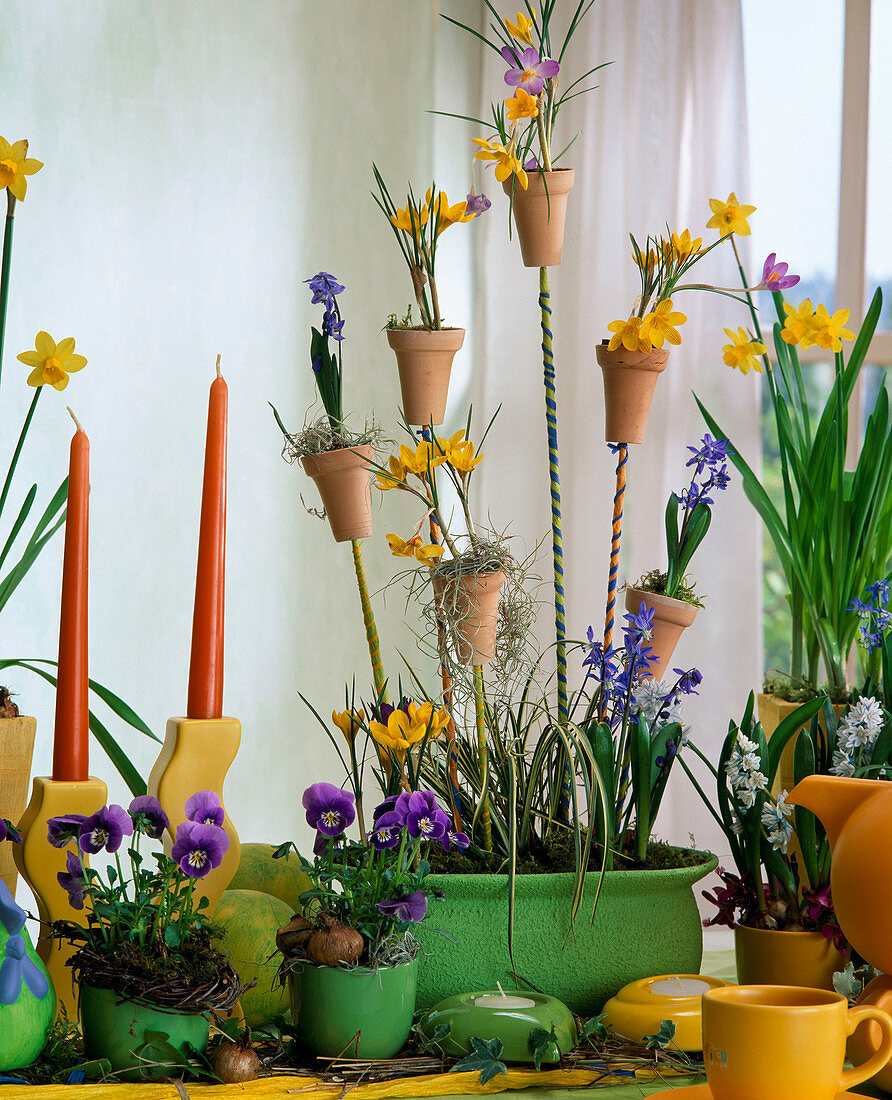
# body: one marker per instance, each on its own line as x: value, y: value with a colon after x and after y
x: 236, y: 1061
x: 334, y: 944
x: 292, y: 937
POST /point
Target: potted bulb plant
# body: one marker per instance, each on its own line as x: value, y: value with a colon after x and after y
x: 351, y: 958
x: 671, y: 595
x: 334, y: 456
x: 146, y: 966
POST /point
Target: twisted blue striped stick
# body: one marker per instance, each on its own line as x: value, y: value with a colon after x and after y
x: 621, y: 450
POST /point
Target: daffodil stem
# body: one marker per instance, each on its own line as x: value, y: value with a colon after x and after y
x: 5, y: 269
x: 368, y: 617
x: 18, y: 448
x: 480, y: 709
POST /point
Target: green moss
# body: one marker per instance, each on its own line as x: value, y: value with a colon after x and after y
x: 655, y: 582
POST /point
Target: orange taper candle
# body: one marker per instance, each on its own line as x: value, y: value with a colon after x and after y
x: 71, y: 761
x: 206, y: 666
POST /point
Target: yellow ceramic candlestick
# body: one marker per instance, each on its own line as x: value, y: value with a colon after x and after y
x: 195, y: 756
x: 39, y: 864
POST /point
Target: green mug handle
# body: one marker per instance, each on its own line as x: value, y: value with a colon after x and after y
x: 880, y: 1057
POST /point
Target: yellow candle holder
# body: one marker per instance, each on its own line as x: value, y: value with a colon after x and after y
x: 640, y: 1007
x: 39, y: 863
x: 196, y: 755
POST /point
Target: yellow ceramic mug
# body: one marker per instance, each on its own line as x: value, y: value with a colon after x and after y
x: 779, y: 1042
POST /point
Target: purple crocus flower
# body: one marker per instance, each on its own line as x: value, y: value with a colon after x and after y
x: 63, y: 828
x: 329, y: 809
x: 198, y: 848
x: 204, y: 807
x: 410, y: 907
x: 532, y: 164
x: 105, y: 830
x: 74, y: 881
x: 530, y: 73
x: 774, y: 275
x: 148, y: 816
x: 387, y: 832
x: 324, y: 287
x: 477, y: 204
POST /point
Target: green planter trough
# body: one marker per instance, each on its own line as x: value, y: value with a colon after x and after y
x: 647, y: 923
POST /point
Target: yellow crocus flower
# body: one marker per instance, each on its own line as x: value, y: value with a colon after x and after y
x: 447, y: 215
x: 401, y: 548
x: 394, y: 734
x: 521, y: 29
x: 52, y: 362
x: 730, y: 217
x: 348, y: 722
x: 660, y: 325
x: 683, y: 246
x: 418, y: 462
x: 505, y: 160
x: 394, y: 477
x: 521, y: 105
x: 628, y: 335
x: 428, y: 555
x: 403, y: 218
x: 15, y: 165
x: 742, y: 351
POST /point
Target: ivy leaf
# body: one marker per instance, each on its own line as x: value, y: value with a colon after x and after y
x: 172, y: 936
x: 543, y: 1044
x: 663, y: 1037
x: 484, y: 1057
x: 595, y: 1030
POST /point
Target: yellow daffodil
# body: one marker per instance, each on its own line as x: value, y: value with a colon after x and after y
x: 402, y: 548
x: 15, y: 165
x: 52, y: 362
x: 348, y: 722
x: 394, y: 477
x: 799, y: 325
x: 742, y: 351
x: 403, y: 219
x: 506, y: 160
x: 521, y: 105
x: 828, y: 331
x: 682, y: 247
x: 660, y: 325
x: 730, y: 217
x: 628, y: 335
x: 521, y: 29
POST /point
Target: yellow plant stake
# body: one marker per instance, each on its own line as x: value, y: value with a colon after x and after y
x: 368, y: 617
x: 479, y: 704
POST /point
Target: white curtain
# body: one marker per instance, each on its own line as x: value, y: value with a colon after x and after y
x: 202, y: 159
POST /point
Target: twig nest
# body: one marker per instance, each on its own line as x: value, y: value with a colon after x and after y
x: 236, y: 1061
x: 292, y: 937
x: 335, y: 943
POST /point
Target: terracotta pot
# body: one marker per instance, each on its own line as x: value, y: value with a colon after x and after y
x: 471, y: 604
x: 630, y: 378
x: 342, y: 478
x: 539, y: 215
x: 670, y: 619
x: 424, y: 358
x: 16, y: 751
x: 786, y: 958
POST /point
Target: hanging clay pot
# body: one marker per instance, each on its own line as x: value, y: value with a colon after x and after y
x: 630, y: 378
x: 670, y: 619
x: 471, y: 605
x: 16, y: 751
x: 342, y: 478
x: 424, y: 358
x: 539, y: 213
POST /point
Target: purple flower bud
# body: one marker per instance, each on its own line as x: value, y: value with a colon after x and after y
x: 64, y: 828
x: 477, y: 204
x: 148, y: 816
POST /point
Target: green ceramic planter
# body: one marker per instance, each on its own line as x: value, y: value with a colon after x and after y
x: 647, y: 923
x: 332, y: 1006
x: 117, y: 1031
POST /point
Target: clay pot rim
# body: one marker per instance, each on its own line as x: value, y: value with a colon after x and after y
x: 654, y: 360
x: 436, y: 335
x: 339, y: 456
x: 750, y: 931
x: 675, y: 607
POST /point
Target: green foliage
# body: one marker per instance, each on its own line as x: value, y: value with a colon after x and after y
x: 483, y: 1057
x: 543, y: 1044
x: 664, y: 1038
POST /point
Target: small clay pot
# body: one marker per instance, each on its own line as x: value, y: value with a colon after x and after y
x: 671, y: 617
x: 539, y: 215
x: 424, y: 359
x: 768, y: 957
x: 471, y: 606
x: 342, y: 478
x: 630, y: 378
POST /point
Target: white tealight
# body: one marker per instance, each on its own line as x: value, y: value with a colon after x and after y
x: 680, y: 987
x: 503, y: 1001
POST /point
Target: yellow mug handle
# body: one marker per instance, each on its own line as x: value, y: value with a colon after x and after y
x: 880, y: 1057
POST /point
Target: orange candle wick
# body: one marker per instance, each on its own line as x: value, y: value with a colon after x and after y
x: 205, y: 698
x: 71, y: 753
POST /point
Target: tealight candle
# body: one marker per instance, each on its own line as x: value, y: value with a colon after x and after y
x: 497, y: 1001
x: 679, y: 987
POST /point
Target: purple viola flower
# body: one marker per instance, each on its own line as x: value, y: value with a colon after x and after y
x: 148, y: 816
x: 73, y: 880
x: 4, y: 831
x: 410, y: 907
x: 64, y: 828
x: 105, y: 830
x: 424, y: 818
x: 387, y: 832
x: 329, y: 809
x: 477, y: 204
x: 530, y: 72
x: 451, y: 839
x: 774, y: 275
x: 385, y: 807
x: 198, y: 848
x: 324, y: 287
x: 205, y: 808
